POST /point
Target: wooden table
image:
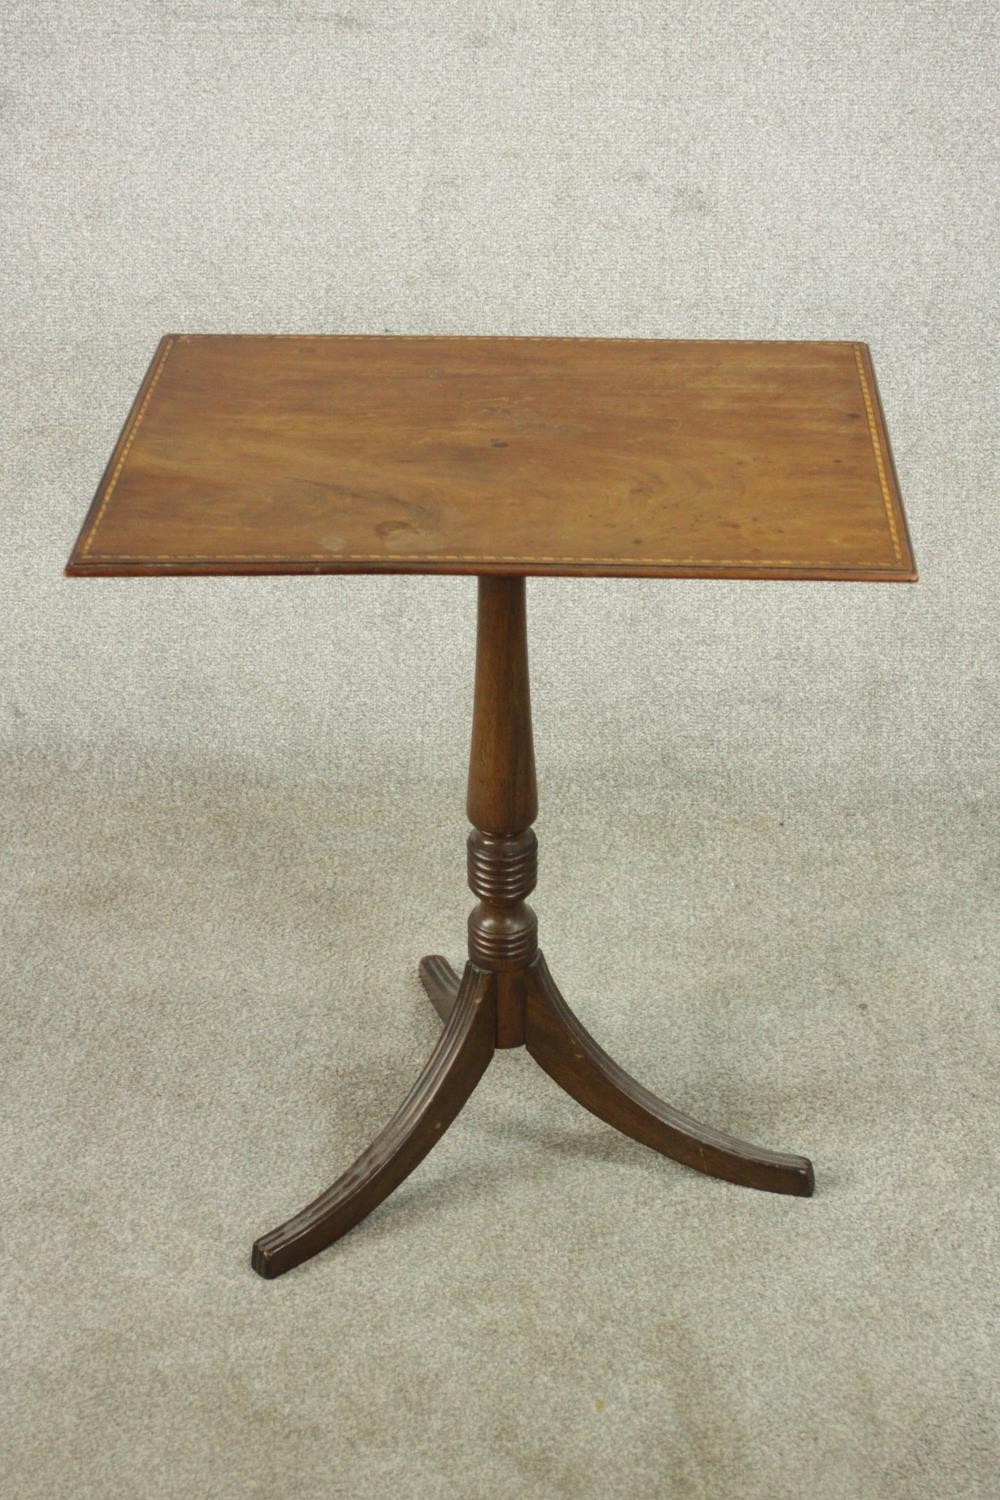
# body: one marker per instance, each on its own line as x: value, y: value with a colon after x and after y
x: 503, y: 457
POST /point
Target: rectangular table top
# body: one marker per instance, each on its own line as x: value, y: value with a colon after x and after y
x: 612, y: 457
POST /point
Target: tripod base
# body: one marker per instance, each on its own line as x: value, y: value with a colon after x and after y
x: 569, y: 1054
x: 561, y: 1046
x: 506, y: 996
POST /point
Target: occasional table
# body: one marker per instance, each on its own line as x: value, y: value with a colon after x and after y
x: 503, y: 458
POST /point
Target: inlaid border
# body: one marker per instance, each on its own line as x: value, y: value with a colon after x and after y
x: 883, y: 479
x: 128, y: 438
x: 87, y: 553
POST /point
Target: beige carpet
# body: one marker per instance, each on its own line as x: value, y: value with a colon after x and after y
x: 232, y: 811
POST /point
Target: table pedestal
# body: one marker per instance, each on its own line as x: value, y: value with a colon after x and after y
x: 506, y: 996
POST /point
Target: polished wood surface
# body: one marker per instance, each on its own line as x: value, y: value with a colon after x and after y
x: 454, y: 1068
x: 564, y: 1049
x: 503, y: 457
x: 506, y: 996
x: 440, y: 981
x: 568, y: 1053
x: 616, y: 457
x: 502, y: 802
x: 502, y: 795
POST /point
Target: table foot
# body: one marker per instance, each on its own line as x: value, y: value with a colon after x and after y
x: 462, y: 1054
x: 441, y: 983
x: 560, y: 1045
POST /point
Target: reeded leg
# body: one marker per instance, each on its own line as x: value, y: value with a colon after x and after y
x: 560, y: 1045
x: 441, y: 983
x: 456, y: 1065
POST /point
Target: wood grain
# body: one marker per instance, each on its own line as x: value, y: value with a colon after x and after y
x: 462, y: 1054
x: 568, y: 1053
x: 502, y: 801
x: 441, y: 983
x: 611, y: 457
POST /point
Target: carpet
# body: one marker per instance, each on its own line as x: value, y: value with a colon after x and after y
x: 232, y: 809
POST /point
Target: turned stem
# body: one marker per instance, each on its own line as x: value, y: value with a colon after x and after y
x: 503, y: 796
x: 503, y: 802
